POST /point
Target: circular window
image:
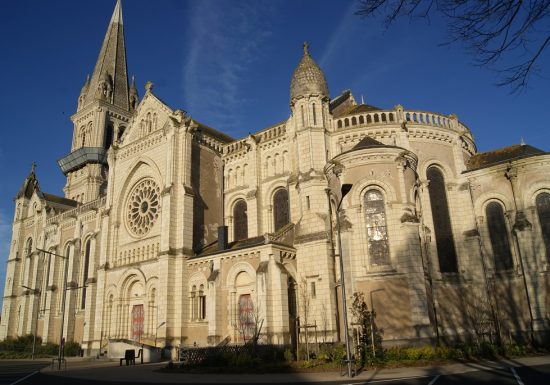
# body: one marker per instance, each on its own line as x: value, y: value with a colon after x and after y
x: 143, y: 207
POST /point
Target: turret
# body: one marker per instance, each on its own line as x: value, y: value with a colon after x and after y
x: 309, y: 102
x: 134, y: 97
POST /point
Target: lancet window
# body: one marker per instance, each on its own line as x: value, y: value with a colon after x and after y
x: 281, y: 212
x: 240, y: 220
x: 498, y: 234
x: 444, y: 239
x: 543, y: 212
x: 377, y: 230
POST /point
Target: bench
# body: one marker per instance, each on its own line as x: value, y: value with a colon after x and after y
x: 130, y: 356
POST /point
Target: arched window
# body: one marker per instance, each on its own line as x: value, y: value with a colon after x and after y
x: 339, y: 124
x: 28, y: 247
x: 149, y: 122
x: 498, y: 234
x: 442, y: 222
x: 85, y: 273
x: 543, y: 211
x: 303, y: 117
x: 202, y: 303
x: 377, y: 232
x: 281, y: 213
x: 198, y: 303
x: 240, y: 220
x: 314, y: 114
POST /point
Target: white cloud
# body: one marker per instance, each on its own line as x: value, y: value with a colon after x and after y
x: 226, y: 38
x: 341, y: 34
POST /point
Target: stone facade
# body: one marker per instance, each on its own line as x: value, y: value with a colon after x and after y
x: 172, y: 233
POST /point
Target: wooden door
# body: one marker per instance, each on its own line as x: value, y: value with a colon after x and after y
x: 137, y: 322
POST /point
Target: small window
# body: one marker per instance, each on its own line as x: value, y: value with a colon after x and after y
x: 314, y: 114
x: 308, y: 203
x: 312, y: 289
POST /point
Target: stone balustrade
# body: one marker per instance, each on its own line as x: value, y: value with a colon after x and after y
x: 73, y: 213
x: 383, y: 117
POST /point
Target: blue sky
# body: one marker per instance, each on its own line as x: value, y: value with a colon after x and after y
x: 229, y: 64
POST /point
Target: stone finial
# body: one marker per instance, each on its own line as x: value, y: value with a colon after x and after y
x: 33, y: 167
x: 306, y: 48
x: 149, y: 86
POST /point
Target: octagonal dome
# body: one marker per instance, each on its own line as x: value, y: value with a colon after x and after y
x: 308, y: 79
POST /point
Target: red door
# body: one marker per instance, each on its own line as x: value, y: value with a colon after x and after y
x: 246, y: 316
x: 137, y: 322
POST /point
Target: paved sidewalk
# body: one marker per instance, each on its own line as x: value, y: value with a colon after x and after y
x: 111, y: 371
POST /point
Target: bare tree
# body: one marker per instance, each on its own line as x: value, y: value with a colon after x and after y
x: 479, y: 317
x: 304, y: 307
x: 495, y: 31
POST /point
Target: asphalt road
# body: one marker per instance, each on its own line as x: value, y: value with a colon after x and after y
x: 506, y: 375
x: 12, y: 371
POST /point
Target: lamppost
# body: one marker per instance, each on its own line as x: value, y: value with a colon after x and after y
x: 345, y: 189
x: 35, y: 292
x: 61, y: 355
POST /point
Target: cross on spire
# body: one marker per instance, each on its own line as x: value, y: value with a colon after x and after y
x: 306, y: 48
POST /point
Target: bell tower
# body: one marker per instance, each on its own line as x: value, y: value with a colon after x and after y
x: 104, y: 108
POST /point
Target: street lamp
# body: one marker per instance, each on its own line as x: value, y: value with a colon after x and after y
x: 345, y: 189
x: 61, y: 355
x: 35, y: 292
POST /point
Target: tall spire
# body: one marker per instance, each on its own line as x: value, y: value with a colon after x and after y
x: 110, y: 78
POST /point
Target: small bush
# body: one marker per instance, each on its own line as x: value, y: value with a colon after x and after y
x: 289, y: 355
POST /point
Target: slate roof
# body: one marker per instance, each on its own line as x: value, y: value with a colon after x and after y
x: 502, y: 155
x: 368, y: 142
x: 357, y: 109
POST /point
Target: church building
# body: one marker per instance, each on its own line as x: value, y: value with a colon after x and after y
x: 171, y: 233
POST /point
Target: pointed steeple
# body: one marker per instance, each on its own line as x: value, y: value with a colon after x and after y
x: 134, y: 97
x: 30, y: 185
x: 110, y: 78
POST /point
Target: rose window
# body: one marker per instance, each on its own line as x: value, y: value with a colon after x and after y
x: 143, y: 207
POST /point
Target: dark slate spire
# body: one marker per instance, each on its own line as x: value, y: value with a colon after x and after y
x: 110, y: 78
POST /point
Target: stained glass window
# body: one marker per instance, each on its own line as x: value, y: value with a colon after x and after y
x: 444, y: 239
x: 498, y: 233
x: 543, y: 211
x: 281, y: 214
x: 240, y: 220
x: 377, y: 231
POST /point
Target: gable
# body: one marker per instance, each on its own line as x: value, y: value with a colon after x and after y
x: 150, y: 116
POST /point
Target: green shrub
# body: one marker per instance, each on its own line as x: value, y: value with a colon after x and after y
x: 289, y: 355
